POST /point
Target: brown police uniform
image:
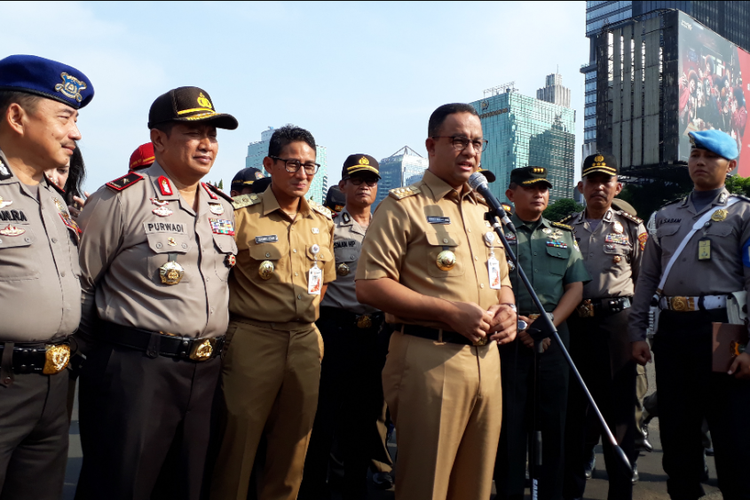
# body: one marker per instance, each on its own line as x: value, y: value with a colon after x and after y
x: 600, y: 345
x: 444, y: 393
x: 154, y: 274
x: 272, y: 367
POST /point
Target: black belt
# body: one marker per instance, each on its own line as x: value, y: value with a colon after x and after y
x: 155, y: 343
x: 434, y: 334
x: 47, y: 358
x: 343, y: 317
x: 603, y: 307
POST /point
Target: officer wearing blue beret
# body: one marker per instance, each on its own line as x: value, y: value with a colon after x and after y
x: 39, y: 103
x: 695, y: 271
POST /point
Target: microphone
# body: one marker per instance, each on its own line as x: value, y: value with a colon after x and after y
x: 478, y: 182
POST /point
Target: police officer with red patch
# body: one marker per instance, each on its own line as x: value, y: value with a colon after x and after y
x: 156, y: 254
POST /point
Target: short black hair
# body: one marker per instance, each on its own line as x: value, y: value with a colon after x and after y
x: 24, y: 99
x: 439, y: 115
x: 286, y: 135
x: 165, y: 127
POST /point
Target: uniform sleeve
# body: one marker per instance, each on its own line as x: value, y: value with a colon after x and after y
x: 746, y: 252
x: 576, y: 270
x: 386, y: 241
x: 638, y: 249
x: 649, y: 274
x: 329, y: 270
x: 102, y: 224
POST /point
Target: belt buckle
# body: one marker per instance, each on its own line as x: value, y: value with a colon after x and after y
x: 679, y: 304
x: 586, y: 309
x: 364, y: 321
x: 481, y: 342
x: 56, y: 358
x: 202, y: 351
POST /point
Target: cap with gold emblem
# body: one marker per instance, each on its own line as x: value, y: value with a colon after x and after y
x: 188, y: 104
x: 246, y: 178
x: 598, y: 162
x: 46, y: 78
x: 335, y: 199
x: 489, y: 174
x: 360, y: 163
x: 526, y: 176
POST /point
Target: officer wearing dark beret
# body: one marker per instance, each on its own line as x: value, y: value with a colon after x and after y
x: 695, y: 272
x: 156, y: 254
x: 244, y: 180
x: 550, y: 257
x: 612, y: 243
x: 39, y: 288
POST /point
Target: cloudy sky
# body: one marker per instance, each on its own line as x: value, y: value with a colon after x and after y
x: 362, y: 77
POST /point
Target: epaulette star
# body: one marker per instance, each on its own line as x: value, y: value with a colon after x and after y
x: 404, y: 192
x: 563, y: 226
x: 125, y: 181
x: 629, y: 216
x: 566, y: 219
x: 320, y: 209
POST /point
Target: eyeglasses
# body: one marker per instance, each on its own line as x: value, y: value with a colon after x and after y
x: 357, y: 181
x: 293, y: 166
x: 460, y: 143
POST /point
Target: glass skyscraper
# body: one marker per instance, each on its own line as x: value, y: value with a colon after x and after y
x: 258, y: 150
x: 402, y: 168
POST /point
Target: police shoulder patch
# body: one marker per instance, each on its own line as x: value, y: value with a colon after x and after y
x: 676, y: 200
x: 563, y: 226
x: 320, y: 209
x: 125, y: 181
x: 629, y: 216
x: 219, y: 192
x: 245, y: 200
x: 404, y: 192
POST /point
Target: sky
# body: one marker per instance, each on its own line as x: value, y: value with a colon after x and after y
x: 362, y: 77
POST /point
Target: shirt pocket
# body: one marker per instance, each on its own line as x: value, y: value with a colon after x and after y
x: 271, y: 252
x: 17, y: 259
x: 558, y: 260
x: 323, y: 256
x: 666, y: 231
x: 225, y: 246
x: 718, y: 230
x: 161, y: 245
x: 438, y: 243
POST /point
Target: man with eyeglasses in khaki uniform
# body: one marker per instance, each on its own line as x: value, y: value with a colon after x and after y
x: 272, y: 366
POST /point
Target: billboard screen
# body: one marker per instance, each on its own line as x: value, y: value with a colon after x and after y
x: 714, y: 80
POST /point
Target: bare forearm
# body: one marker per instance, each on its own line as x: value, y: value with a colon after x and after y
x: 568, y: 302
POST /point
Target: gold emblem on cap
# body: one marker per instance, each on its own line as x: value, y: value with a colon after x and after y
x: 171, y: 273
x: 71, y: 87
x: 446, y: 260
x: 204, y: 102
x: 719, y: 215
x: 343, y: 269
x: 265, y: 271
x: 364, y: 161
x: 538, y: 170
x: 598, y: 158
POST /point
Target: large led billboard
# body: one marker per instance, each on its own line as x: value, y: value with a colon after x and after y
x: 714, y: 87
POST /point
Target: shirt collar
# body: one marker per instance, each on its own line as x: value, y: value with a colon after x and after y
x: 518, y: 222
x: 270, y: 203
x: 440, y: 189
x: 156, y: 172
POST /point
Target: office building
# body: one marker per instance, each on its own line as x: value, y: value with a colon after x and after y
x: 402, y: 168
x: 554, y: 91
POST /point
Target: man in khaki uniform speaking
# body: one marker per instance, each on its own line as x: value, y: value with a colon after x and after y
x: 437, y: 269
x: 156, y: 252
x: 39, y: 288
x: 272, y: 367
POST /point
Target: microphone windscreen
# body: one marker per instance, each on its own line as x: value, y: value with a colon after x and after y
x: 477, y: 180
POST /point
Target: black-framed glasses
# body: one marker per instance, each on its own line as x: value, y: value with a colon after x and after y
x: 292, y: 166
x: 357, y: 181
x: 460, y: 142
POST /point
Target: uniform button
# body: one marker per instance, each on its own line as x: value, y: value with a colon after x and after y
x: 469, y: 230
x: 481, y: 285
x: 62, y: 274
x: 268, y: 254
x: 27, y: 240
x: 296, y: 274
x: 299, y: 297
x: 445, y: 240
x: 476, y: 258
x: 212, y: 311
x: 159, y: 245
x: 54, y: 240
x: 7, y: 380
x: 294, y: 250
x: 534, y: 253
x: 184, y: 245
x: 208, y: 279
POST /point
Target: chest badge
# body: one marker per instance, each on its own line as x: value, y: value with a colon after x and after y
x: 343, y: 269
x: 12, y: 231
x: 230, y: 261
x: 446, y: 260
x: 547, y: 230
x: 719, y: 215
x: 616, y: 259
x: 315, y: 230
x: 489, y: 237
x: 172, y: 272
x: 4, y: 203
x: 617, y: 227
x: 216, y: 208
x: 162, y: 208
x: 265, y: 271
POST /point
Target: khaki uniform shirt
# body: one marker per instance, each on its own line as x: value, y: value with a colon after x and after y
x: 611, y: 253
x: 548, y: 254
x: 39, y: 288
x: 415, y: 224
x: 125, y: 242
x: 265, y: 234
x: 727, y: 270
x: 347, y: 246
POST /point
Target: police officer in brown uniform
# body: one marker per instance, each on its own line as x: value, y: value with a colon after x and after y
x: 156, y: 253
x: 39, y: 288
x: 611, y: 242
x: 699, y: 256
x: 272, y: 367
x: 433, y: 264
x: 350, y: 393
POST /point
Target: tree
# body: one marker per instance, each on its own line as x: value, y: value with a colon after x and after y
x: 738, y: 185
x: 648, y: 197
x: 561, y: 209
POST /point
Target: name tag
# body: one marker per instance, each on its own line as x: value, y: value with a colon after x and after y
x: 438, y: 220
x: 271, y: 238
x: 344, y: 244
x: 164, y: 227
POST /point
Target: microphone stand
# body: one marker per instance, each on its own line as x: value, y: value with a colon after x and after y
x: 538, y: 334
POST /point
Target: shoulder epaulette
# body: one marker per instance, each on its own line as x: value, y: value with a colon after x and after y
x: 566, y: 219
x: 245, y: 200
x: 742, y: 197
x: 334, y: 215
x: 125, y: 181
x: 564, y: 226
x: 676, y: 200
x: 320, y: 209
x: 629, y: 216
x: 219, y: 192
x: 404, y: 192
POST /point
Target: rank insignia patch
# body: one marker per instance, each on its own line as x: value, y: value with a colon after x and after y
x: 165, y: 187
x: 621, y: 239
x: 222, y: 226
x: 125, y: 181
x: 12, y: 231
x: 642, y: 238
x: 557, y: 244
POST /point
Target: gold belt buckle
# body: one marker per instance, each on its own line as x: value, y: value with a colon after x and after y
x: 679, y: 304
x: 56, y: 358
x: 586, y: 309
x: 364, y: 321
x: 202, y: 351
x: 481, y: 342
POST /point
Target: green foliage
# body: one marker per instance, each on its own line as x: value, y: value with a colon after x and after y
x: 738, y: 185
x: 561, y: 209
x: 648, y: 197
x: 221, y: 184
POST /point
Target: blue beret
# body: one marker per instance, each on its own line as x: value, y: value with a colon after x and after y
x: 716, y: 141
x: 46, y: 78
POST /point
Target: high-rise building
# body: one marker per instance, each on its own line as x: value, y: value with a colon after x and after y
x: 554, y: 91
x: 258, y: 150
x: 402, y: 168
x: 727, y: 18
x: 524, y: 131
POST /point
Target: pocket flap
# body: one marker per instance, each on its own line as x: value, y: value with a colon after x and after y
x: 442, y: 240
x: 324, y: 255
x: 169, y: 243
x: 24, y: 236
x: 559, y: 253
x: 225, y: 243
x: 265, y: 251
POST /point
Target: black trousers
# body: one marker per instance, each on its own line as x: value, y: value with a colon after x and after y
x: 517, y: 374
x: 145, y: 425
x: 33, y: 436
x: 349, y: 403
x: 689, y: 392
x: 600, y: 348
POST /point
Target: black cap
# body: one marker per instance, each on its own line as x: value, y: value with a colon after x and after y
x: 260, y: 185
x: 487, y: 173
x: 246, y: 177
x: 526, y: 176
x: 360, y: 163
x: 335, y: 199
x: 188, y: 104
x: 598, y: 162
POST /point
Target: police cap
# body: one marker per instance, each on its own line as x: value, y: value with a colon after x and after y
x: 716, y: 141
x: 359, y: 163
x: 526, y: 176
x: 598, y: 162
x: 188, y: 104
